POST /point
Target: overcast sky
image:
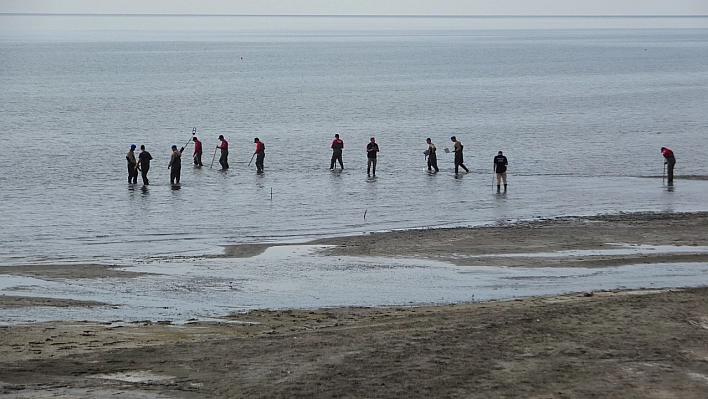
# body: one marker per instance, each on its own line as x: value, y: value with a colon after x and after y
x: 363, y: 7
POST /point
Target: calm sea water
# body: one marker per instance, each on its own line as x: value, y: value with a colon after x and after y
x: 581, y: 115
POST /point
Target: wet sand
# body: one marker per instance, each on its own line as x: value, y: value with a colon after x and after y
x: 648, y: 343
x: 487, y: 245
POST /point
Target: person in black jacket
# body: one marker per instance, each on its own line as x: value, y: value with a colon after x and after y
x: 500, y: 164
x: 144, y: 164
x: 371, y: 149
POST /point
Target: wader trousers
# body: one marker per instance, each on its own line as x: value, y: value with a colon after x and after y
x: 224, y: 159
x: 670, y: 169
x: 175, y: 174
x: 336, y: 156
x: 132, y: 173
x: 259, y: 161
x: 433, y: 162
x: 459, y: 162
x: 144, y: 172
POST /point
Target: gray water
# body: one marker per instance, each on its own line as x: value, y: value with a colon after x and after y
x: 581, y: 115
x: 179, y: 290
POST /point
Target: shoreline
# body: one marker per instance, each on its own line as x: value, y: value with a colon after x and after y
x: 600, y: 241
x: 488, y: 244
x: 610, y: 343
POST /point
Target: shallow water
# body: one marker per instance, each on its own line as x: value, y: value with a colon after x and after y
x: 580, y: 114
x: 293, y: 277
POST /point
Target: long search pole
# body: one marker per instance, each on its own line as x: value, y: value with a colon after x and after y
x: 194, y: 131
x: 213, y: 158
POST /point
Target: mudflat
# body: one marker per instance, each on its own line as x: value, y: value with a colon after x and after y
x: 506, y: 244
x: 647, y: 343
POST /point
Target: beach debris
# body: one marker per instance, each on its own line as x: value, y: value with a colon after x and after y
x: 588, y: 293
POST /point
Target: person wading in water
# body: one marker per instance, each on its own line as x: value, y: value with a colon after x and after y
x: 432, y: 156
x: 175, y: 164
x: 260, y: 154
x: 224, y: 147
x: 500, y: 164
x: 337, y: 147
x: 371, y: 149
x: 669, y: 160
x: 144, y: 164
x: 197, y: 151
x: 132, y: 165
x: 459, y: 159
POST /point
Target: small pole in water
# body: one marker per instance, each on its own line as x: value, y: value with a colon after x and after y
x: 271, y: 193
x: 365, y: 214
x: 663, y: 174
x: 213, y: 158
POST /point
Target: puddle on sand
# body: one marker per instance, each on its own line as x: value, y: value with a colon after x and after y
x: 20, y: 283
x: 293, y: 277
x: 623, y: 250
x: 280, y: 252
x: 145, y: 377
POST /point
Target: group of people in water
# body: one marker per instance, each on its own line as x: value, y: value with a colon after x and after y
x: 142, y: 161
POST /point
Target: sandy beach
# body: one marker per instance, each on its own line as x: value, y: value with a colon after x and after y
x: 638, y: 343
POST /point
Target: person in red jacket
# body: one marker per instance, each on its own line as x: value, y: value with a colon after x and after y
x: 224, y: 159
x: 337, y: 146
x: 260, y: 154
x: 669, y: 160
x: 197, y: 151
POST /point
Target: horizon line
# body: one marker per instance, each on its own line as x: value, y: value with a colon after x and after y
x: 357, y: 15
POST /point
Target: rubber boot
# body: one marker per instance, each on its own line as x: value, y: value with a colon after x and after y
x: 499, y: 188
x: 505, y: 187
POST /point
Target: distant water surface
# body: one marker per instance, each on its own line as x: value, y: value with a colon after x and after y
x: 581, y: 115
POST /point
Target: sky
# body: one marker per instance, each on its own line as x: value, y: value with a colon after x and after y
x: 19, y: 17
x: 362, y: 7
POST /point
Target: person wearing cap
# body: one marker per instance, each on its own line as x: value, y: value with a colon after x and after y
x: 337, y: 146
x: 175, y: 164
x: 144, y: 164
x: 669, y: 160
x: 459, y: 159
x: 500, y: 164
x: 132, y: 170
x: 224, y: 147
x: 432, y: 156
x: 260, y: 154
x: 371, y: 149
x: 197, y: 151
